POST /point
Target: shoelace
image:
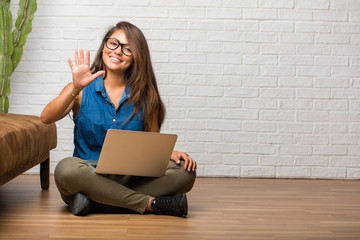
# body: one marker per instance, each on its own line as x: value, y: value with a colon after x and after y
x: 164, y: 204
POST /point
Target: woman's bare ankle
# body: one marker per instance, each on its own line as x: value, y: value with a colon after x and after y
x: 148, y: 207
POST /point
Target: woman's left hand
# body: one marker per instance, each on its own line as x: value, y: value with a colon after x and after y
x: 190, y: 164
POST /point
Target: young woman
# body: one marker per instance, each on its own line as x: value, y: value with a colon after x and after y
x: 119, y: 91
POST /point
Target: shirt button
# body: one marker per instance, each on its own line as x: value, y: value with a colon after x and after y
x: 114, y: 120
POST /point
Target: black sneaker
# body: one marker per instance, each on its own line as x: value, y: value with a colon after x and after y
x: 170, y: 205
x: 80, y: 205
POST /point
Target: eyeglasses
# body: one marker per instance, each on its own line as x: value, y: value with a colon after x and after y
x: 113, y: 43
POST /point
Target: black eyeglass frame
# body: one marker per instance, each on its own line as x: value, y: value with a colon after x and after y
x: 119, y: 44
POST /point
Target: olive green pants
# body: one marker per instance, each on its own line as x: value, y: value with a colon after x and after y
x: 73, y: 175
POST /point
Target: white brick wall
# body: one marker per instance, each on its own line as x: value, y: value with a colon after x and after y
x: 253, y: 88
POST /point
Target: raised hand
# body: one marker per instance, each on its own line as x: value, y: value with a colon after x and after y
x: 81, y: 73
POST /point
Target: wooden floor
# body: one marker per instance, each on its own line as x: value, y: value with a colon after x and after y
x: 219, y: 208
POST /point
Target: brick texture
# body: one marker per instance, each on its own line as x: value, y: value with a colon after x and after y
x: 255, y: 88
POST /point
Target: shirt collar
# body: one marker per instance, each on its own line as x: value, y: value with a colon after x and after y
x: 100, y: 88
x: 99, y: 85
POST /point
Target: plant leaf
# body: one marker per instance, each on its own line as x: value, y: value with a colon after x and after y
x: 4, y: 104
x: 6, y: 50
x: 23, y: 26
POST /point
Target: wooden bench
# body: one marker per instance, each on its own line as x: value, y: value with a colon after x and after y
x: 24, y: 143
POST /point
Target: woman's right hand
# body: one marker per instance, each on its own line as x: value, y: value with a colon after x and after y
x: 81, y: 73
x: 64, y: 103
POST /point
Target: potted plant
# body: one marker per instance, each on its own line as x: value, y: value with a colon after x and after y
x: 12, y: 42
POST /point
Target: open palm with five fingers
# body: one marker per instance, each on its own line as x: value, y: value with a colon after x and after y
x: 81, y: 73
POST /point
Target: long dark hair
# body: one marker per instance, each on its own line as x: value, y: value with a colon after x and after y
x: 140, y: 77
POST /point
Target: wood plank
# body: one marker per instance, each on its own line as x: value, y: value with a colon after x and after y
x: 219, y: 208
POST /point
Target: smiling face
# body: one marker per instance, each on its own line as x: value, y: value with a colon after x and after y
x: 115, y: 60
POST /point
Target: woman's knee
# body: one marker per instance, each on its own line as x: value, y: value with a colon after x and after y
x: 184, y: 178
x: 189, y: 180
x: 67, y: 169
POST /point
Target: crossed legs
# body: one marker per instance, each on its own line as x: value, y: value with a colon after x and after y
x: 73, y: 175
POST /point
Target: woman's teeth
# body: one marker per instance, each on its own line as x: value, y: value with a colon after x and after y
x: 118, y: 60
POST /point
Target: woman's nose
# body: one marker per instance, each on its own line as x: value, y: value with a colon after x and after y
x: 118, y: 50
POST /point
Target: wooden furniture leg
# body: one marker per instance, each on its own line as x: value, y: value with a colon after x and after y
x: 44, y: 174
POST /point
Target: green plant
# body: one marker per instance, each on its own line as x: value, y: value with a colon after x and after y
x: 12, y: 42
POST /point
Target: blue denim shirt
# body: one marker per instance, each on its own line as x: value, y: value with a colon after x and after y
x: 98, y: 114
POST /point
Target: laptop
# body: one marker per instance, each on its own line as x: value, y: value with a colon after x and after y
x: 134, y: 153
